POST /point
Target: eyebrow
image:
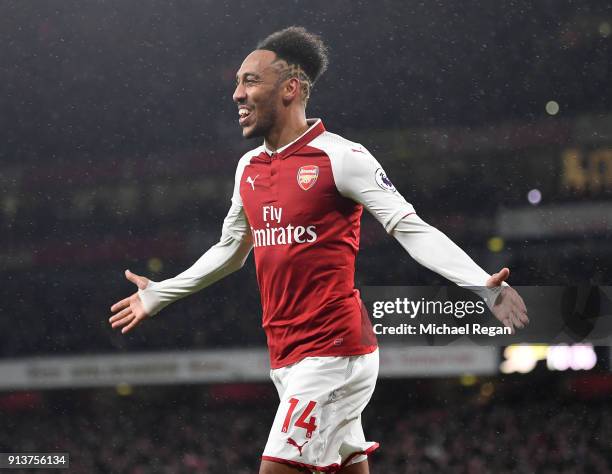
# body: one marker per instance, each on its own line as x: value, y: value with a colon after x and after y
x: 256, y: 76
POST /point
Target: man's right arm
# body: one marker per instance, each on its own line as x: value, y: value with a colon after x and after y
x: 227, y: 256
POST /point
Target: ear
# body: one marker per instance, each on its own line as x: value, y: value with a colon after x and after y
x: 291, y: 90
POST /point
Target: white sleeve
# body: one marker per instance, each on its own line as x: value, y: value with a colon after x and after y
x: 360, y: 177
x: 227, y: 256
x: 434, y: 250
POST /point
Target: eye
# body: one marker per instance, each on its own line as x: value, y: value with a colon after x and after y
x: 248, y: 81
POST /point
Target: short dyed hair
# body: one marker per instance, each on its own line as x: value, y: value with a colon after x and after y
x: 303, y: 51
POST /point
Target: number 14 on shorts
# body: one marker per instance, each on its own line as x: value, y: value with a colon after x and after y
x: 301, y: 422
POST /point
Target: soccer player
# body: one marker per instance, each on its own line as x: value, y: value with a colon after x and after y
x: 297, y: 201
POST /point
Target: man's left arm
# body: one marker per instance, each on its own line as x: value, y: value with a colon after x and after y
x: 359, y: 176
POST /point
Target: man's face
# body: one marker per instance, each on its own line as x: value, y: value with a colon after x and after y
x: 257, y: 93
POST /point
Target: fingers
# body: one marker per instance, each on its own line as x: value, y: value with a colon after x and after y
x: 127, y: 318
x: 512, y: 322
x: 520, y: 302
x: 503, y: 274
x: 129, y: 315
x: 516, y: 321
x: 511, y: 310
x: 519, y: 308
x: 124, y: 303
x: 521, y: 314
x: 132, y: 325
x: 131, y: 276
x: 117, y: 318
x: 498, y: 278
x: 506, y: 322
x: 140, y: 281
x: 516, y: 317
x: 129, y: 311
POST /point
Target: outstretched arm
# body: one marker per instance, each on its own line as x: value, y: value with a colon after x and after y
x: 219, y: 261
x: 222, y: 259
x: 227, y: 256
x: 360, y: 177
x: 434, y: 250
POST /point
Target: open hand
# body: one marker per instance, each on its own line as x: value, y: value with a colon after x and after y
x: 509, y: 307
x: 129, y: 312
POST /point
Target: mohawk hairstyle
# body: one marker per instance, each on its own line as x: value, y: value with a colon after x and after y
x: 299, y: 47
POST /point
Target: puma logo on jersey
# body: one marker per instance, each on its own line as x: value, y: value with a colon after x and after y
x: 251, y: 181
x: 293, y: 443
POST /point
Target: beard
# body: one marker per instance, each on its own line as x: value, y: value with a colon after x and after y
x: 266, y: 116
x: 265, y: 120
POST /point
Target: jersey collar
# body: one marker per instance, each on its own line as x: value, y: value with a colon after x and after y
x: 316, y: 128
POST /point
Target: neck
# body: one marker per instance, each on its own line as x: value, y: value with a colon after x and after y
x: 288, y: 130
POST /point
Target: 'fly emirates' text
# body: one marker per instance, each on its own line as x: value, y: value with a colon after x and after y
x: 281, y: 235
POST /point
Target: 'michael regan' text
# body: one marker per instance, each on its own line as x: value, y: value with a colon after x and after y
x: 441, y: 330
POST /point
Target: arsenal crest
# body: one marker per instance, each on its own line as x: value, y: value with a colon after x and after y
x: 307, y: 176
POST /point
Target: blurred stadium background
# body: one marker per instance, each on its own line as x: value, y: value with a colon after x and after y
x: 119, y: 144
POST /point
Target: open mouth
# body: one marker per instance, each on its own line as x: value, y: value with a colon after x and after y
x: 244, y: 115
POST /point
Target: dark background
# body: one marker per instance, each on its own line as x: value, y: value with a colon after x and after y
x: 118, y: 150
x: 121, y: 140
x: 91, y: 80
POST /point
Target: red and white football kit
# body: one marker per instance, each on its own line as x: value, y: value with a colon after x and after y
x: 299, y: 208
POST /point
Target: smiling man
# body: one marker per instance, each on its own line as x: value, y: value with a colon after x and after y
x: 297, y: 201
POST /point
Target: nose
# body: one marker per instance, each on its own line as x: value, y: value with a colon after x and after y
x: 239, y: 94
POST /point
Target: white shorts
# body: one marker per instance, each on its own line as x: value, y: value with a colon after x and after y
x: 318, y: 422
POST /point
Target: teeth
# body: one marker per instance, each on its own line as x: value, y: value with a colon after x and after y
x: 243, y: 112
